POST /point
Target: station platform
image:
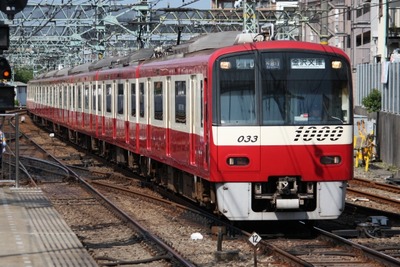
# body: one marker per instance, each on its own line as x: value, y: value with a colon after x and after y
x: 33, y: 234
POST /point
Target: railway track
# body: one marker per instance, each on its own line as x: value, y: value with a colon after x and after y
x: 364, y: 189
x: 280, y: 254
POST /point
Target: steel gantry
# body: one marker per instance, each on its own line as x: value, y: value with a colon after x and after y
x: 49, y: 34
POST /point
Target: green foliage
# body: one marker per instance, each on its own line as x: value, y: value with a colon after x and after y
x: 372, y: 102
x: 23, y: 75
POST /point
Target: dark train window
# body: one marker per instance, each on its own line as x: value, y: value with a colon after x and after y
x: 94, y: 93
x: 59, y: 88
x: 108, y: 97
x: 133, y: 99
x: 141, y: 99
x: 79, y: 96
x: 65, y: 93
x: 86, y: 97
x: 180, y: 102
x: 120, y: 99
x: 158, y: 101
x: 99, y: 98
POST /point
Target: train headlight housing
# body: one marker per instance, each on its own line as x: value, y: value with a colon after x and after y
x: 329, y: 160
x: 238, y: 161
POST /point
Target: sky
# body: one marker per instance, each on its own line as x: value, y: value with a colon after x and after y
x: 201, y: 4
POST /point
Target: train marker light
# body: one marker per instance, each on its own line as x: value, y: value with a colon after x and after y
x: 336, y: 64
x: 225, y: 65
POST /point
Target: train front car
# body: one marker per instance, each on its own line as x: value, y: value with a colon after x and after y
x: 281, y: 141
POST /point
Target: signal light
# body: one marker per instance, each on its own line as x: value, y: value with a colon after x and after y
x: 5, y: 70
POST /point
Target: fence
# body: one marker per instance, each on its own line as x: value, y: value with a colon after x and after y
x: 386, y: 78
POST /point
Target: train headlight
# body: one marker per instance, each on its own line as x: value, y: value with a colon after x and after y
x: 328, y: 160
x: 238, y: 161
x: 336, y: 64
x: 225, y: 65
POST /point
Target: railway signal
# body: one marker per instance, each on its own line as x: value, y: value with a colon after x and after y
x: 5, y: 70
x: 12, y: 7
x: 4, y: 37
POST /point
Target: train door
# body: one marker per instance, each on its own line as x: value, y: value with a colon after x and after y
x: 86, y: 106
x: 197, y: 151
x: 64, y: 103
x: 120, y: 110
x: 132, y: 114
x: 60, y: 102
x: 179, y: 119
x: 158, y: 116
x: 143, y: 112
x: 79, y: 105
x: 108, y: 109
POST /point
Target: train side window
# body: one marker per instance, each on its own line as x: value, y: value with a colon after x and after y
x: 60, y: 95
x: 158, y: 100
x: 72, y: 97
x: 64, y: 96
x: 99, y: 96
x: 120, y: 99
x: 141, y: 99
x: 94, y: 93
x: 133, y: 99
x: 108, y: 97
x: 180, y: 102
x: 86, y: 97
x: 79, y: 93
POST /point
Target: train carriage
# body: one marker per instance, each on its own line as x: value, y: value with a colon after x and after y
x: 257, y: 130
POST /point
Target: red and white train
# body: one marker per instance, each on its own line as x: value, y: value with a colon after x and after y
x: 227, y: 124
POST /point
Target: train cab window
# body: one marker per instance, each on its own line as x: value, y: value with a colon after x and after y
x: 94, y: 94
x: 237, y: 103
x: 133, y: 99
x: 120, y: 98
x: 141, y: 99
x: 86, y: 97
x: 108, y: 97
x: 180, y: 102
x: 158, y: 100
x: 303, y: 88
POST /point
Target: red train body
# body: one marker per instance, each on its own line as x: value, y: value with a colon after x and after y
x: 228, y: 127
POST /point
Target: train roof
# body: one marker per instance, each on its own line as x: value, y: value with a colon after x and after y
x: 206, y: 42
x: 131, y: 59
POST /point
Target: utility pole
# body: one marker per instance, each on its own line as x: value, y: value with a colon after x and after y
x: 250, y: 20
x: 324, y: 37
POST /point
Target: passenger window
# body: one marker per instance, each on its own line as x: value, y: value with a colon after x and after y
x: 94, y: 93
x: 120, y: 99
x: 141, y: 99
x: 158, y: 101
x: 180, y: 102
x: 108, y: 97
x: 133, y: 99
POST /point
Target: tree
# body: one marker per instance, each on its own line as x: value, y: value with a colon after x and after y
x: 372, y: 102
x: 23, y: 75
